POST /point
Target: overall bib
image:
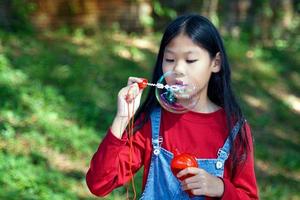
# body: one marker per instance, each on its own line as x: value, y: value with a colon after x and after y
x: 161, y: 183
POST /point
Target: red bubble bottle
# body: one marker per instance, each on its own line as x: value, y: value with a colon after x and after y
x: 182, y: 161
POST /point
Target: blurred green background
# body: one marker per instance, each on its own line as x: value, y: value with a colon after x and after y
x: 62, y: 63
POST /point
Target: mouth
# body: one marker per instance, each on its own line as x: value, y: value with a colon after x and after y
x: 179, y: 87
x: 179, y: 82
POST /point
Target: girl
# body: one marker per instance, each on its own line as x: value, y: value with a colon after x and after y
x: 214, y: 130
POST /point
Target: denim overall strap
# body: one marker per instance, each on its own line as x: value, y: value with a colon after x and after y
x: 155, y: 125
x: 161, y: 183
x: 223, y: 152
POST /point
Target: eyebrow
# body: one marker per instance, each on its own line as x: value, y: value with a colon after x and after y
x: 186, y: 52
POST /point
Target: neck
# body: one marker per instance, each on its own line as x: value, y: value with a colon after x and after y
x: 204, y: 104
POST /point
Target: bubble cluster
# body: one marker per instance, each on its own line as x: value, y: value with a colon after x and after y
x: 176, y: 93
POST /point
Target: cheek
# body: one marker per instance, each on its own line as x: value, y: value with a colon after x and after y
x: 166, y: 67
x: 200, y: 74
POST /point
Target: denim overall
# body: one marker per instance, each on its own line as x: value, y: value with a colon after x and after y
x: 161, y: 183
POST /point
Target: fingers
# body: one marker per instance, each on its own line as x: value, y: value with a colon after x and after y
x: 190, y: 186
x: 191, y: 179
x: 197, y: 188
x: 197, y: 191
x: 129, y: 98
x: 130, y: 92
x: 195, y: 183
x: 188, y: 170
x: 132, y: 80
x: 133, y: 90
x: 201, y: 183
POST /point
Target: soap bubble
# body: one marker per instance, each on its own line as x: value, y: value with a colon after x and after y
x: 176, y: 93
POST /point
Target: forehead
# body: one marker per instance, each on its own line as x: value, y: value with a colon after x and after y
x: 182, y: 44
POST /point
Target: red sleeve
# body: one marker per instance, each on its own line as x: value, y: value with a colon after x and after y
x: 243, y: 186
x: 110, y: 165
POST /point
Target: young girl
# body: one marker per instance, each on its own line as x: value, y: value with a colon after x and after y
x: 214, y: 130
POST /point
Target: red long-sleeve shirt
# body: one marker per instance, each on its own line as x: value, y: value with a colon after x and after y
x: 201, y: 134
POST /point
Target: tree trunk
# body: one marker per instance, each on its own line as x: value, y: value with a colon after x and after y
x: 5, y: 15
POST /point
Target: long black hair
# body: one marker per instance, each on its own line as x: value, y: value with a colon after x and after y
x: 203, y: 33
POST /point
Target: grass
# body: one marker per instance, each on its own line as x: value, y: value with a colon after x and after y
x: 58, y: 97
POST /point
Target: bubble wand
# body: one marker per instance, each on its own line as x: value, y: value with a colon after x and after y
x: 145, y: 83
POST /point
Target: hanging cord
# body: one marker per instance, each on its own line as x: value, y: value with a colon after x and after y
x: 130, y: 137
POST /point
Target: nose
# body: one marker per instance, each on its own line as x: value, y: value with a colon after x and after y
x: 179, y: 67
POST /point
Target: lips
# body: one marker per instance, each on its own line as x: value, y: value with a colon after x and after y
x: 178, y: 82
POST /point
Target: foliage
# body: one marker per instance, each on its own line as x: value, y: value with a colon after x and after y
x: 16, y: 15
x: 58, y: 96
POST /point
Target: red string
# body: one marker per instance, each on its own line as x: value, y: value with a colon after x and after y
x: 130, y: 134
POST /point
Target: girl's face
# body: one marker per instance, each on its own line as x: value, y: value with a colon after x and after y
x: 190, y: 61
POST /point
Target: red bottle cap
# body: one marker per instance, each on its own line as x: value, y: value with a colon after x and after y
x: 143, y: 84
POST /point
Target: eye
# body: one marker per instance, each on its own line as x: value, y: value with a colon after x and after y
x: 191, y: 61
x: 169, y: 60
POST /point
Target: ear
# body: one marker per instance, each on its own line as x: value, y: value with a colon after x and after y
x: 216, y: 64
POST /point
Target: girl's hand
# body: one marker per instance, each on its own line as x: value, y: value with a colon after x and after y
x: 129, y: 98
x: 201, y: 183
